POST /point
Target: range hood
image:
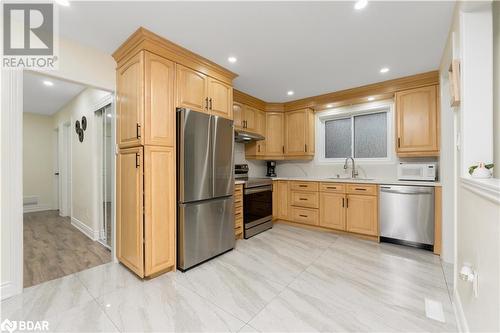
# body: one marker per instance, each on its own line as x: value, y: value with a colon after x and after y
x: 245, y: 137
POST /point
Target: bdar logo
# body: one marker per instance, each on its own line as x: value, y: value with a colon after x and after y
x: 8, y: 326
x: 28, y: 29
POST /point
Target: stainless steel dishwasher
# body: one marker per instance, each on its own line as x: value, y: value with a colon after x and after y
x: 407, y: 215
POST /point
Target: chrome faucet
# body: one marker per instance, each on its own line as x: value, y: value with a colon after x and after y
x: 354, y: 172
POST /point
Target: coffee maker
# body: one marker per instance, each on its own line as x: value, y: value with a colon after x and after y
x: 271, y: 169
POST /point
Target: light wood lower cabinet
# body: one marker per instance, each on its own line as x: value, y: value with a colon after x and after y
x: 281, y: 200
x: 146, y: 211
x: 332, y: 212
x: 362, y: 214
x: 345, y: 207
x: 238, y: 211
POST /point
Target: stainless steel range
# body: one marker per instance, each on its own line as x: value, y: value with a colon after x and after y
x: 257, y: 202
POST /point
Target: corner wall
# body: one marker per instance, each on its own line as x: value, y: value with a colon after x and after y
x: 84, y: 189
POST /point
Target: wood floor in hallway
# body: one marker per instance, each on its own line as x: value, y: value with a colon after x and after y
x: 54, y: 248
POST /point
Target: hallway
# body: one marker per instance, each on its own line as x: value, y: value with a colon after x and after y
x: 53, y: 248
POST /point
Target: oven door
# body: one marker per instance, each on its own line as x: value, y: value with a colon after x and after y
x: 257, y: 205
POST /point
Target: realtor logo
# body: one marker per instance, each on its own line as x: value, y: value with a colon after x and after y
x: 29, y: 35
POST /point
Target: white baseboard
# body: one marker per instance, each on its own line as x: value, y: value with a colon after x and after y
x: 85, y: 229
x: 8, y: 289
x: 36, y: 208
x: 459, y: 313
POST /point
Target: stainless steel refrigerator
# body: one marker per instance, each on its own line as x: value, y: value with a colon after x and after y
x: 205, y: 219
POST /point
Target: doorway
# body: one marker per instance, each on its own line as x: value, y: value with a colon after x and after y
x: 61, y: 178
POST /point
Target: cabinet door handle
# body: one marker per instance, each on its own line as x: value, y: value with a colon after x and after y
x: 331, y: 187
x: 302, y: 185
x: 137, y: 160
x: 302, y: 215
x: 258, y: 148
x: 399, y: 142
x: 283, y: 147
x: 206, y: 103
x: 210, y: 103
x: 342, y: 202
x: 303, y: 199
x: 347, y: 202
x: 360, y: 189
x: 305, y: 147
x: 138, y: 131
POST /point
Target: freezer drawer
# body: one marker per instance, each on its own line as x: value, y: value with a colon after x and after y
x: 407, y: 215
x: 205, y: 230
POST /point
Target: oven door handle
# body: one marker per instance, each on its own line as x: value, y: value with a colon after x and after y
x: 258, y: 189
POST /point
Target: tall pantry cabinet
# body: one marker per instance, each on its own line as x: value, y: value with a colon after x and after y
x: 148, y: 92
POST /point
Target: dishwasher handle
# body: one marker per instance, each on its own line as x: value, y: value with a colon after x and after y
x: 407, y: 189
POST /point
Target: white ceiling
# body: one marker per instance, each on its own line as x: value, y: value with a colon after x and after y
x: 308, y: 47
x: 42, y: 99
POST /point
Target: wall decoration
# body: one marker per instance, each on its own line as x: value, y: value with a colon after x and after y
x: 81, y: 128
x: 84, y: 123
x: 454, y: 82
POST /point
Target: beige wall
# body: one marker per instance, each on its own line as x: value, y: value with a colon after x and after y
x: 496, y: 86
x: 84, y: 172
x: 38, y: 161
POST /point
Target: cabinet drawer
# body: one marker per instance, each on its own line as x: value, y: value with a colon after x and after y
x: 362, y: 189
x: 305, y: 199
x: 305, y: 215
x: 332, y: 187
x: 304, y: 186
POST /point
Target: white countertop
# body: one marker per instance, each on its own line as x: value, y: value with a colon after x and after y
x: 362, y: 181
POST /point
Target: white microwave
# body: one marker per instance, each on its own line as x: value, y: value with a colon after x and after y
x: 417, y: 171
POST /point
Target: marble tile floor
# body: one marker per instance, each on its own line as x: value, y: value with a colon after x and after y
x: 287, y: 279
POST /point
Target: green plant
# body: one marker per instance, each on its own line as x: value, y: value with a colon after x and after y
x: 487, y: 166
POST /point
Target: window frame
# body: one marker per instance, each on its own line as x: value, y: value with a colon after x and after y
x: 349, y: 112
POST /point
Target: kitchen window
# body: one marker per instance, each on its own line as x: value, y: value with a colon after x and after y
x: 362, y: 131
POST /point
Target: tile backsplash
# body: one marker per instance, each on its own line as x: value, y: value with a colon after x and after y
x: 255, y: 168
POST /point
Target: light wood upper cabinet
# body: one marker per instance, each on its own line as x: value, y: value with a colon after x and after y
x: 362, y: 214
x: 250, y: 118
x: 332, y: 212
x: 159, y: 101
x: 160, y: 209
x: 129, y: 209
x: 274, y: 134
x: 417, y: 122
x: 191, y: 89
x: 130, y: 102
x: 238, y: 115
x: 220, y: 98
x: 299, y: 133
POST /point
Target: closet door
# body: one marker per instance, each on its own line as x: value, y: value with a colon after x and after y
x: 129, y: 213
x: 130, y: 102
x: 159, y: 100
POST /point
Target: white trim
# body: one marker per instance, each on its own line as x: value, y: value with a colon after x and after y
x: 85, y: 229
x: 459, y: 313
x: 11, y: 196
x: 349, y: 112
x: 37, y: 208
x: 489, y: 189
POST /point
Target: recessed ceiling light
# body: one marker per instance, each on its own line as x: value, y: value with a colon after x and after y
x: 384, y: 70
x: 290, y: 93
x: 64, y: 3
x: 232, y: 59
x: 329, y: 105
x: 371, y: 98
x: 48, y: 83
x: 360, y: 4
